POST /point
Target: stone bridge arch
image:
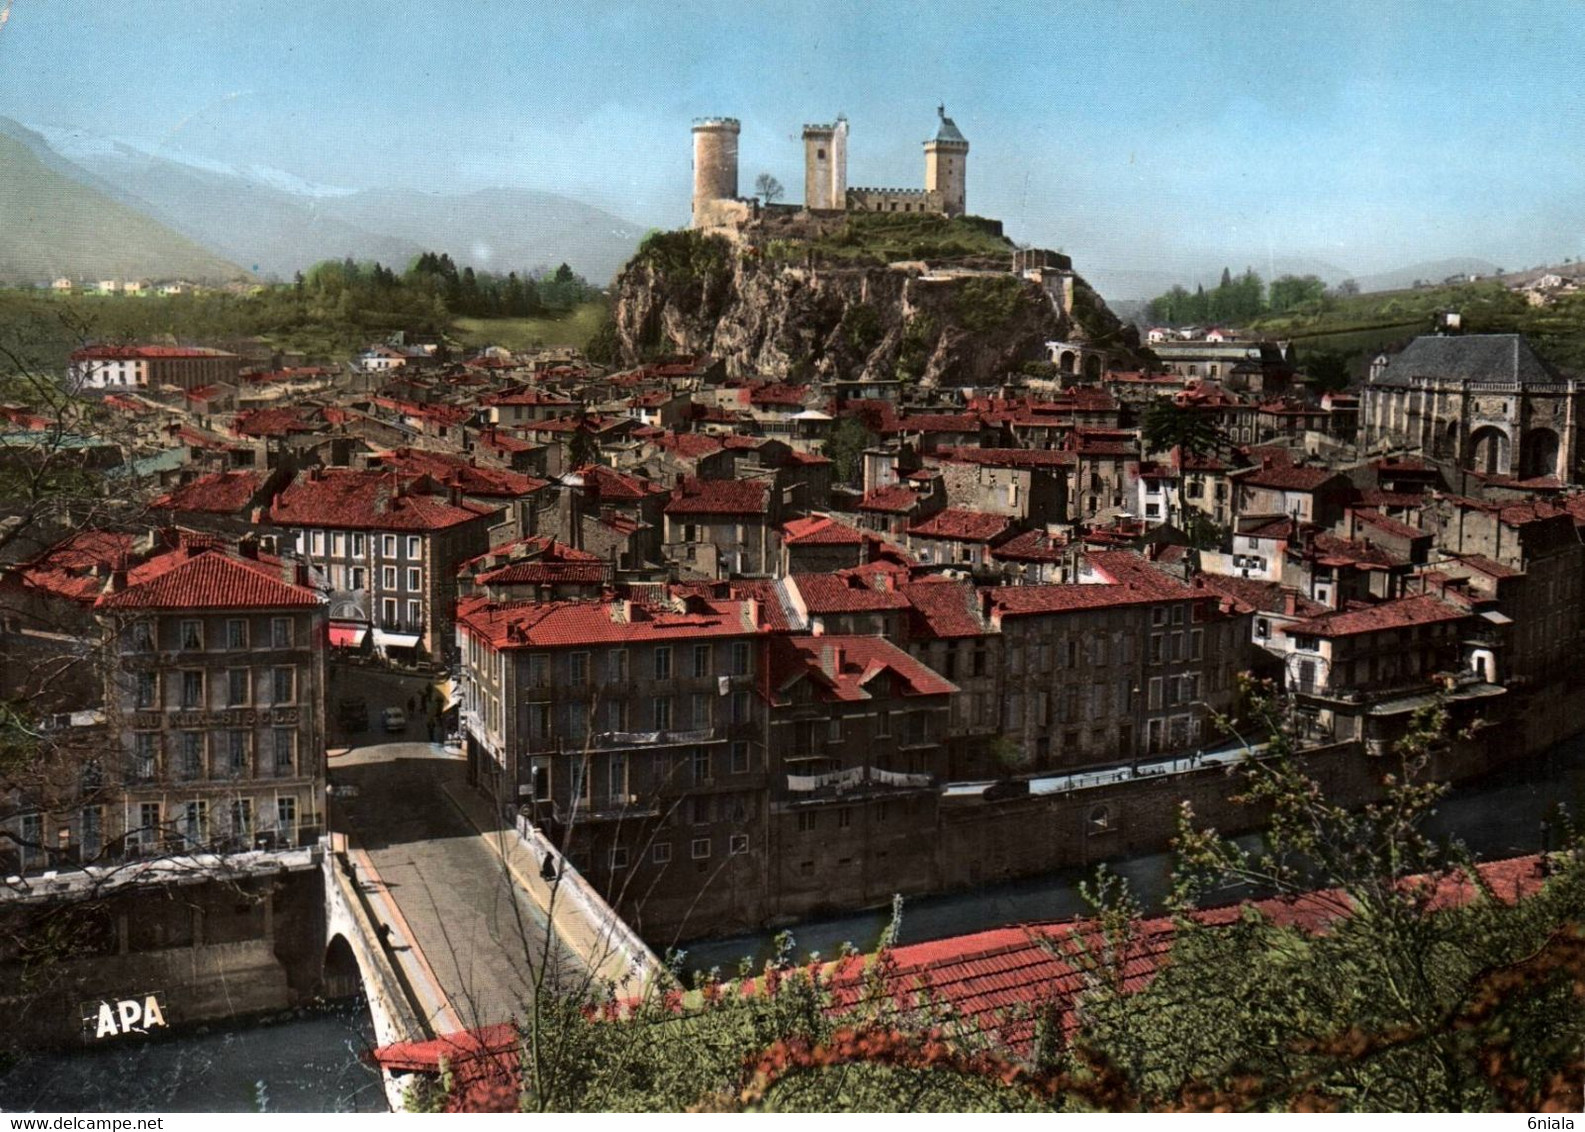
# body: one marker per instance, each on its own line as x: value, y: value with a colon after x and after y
x: 1490, y: 450
x: 1538, y: 453
x: 341, y: 977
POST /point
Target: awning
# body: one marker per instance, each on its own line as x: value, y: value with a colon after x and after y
x: 347, y: 636
x: 386, y: 640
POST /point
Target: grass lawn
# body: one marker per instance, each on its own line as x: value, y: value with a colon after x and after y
x: 571, y: 329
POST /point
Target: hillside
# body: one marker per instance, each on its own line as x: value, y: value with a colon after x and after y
x: 1364, y: 324
x: 833, y: 307
x: 55, y: 226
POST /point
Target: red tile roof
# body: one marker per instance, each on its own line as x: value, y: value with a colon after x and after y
x: 368, y: 500
x: 894, y: 498
x: 224, y: 493
x: 99, y: 353
x: 1423, y: 609
x: 844, y: 592
x: 689, y: 445
x: 194, y: 578
x: 820, y: 530
x: 1032, y: 546
x: 607, y: 485
x: 962, y: 526
x: 1279, y: 478
x: 843, y: 668
x: 277, y: 422
x: 1388, y: 525
x: 1250, y: 594
x: 943, y: 608
x: 564, y: 623
x: 77, y: 567
x: 455, y: 471
x: 719, y: 497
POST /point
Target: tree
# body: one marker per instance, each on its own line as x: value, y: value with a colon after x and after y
x: 1169, y: 425
x: 1328, y: 371
x: 845, y: 449
x: 768, y: 188
x: 582, y: 449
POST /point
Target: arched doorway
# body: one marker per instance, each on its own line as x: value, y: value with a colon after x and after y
x: 342, y: 979
x: 1538, y: 453
x: 1092, y: 367
x: 1066, y: 361
x: 1488, y: 451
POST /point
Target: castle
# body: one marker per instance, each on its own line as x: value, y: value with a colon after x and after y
x: 716, y: 203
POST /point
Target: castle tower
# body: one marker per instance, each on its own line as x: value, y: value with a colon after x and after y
x: 946, y: 165
x: 714, y: 162
x: 826, y: 165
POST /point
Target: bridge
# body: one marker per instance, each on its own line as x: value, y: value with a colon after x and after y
x: 443, y: 914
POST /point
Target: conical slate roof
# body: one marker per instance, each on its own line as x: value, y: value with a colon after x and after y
x: 947, y: 130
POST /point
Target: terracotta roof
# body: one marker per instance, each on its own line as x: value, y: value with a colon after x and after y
x: 76, y: 567
x: 101, y: 353
x: 962, y: 526
x: 1490, y: 567
x: 1250, y: 594
x: 935, y: 422
x: 1008, y: 457
x: 608, y: 485
x: 1032, y: 546
x: 224, y: 493
x: 369, y: 500
x: 1422, y: 609
x: 277, y: 422
x: 194, y: 578
x: 690, y: 445
x: 1384, y: 523
x: 558, y: 623
x: 893, y: 498
x: 455, y: 471
x: 844, y: 592
x: 820, y: 530
x: 1288, y: 478
x: 943, y: 608
x: 844, y: 668
x: 719, y: 497
x: 1126, y: 568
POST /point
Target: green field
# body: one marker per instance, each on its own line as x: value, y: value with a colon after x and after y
x: 571, y: 329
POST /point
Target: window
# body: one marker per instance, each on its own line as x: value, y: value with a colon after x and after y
x: 806, y: 821
x: 388, y: 546
x: 617, y: 779
x: 701, y: 661
x: 142, y: 637
x: 619, y: 857
x: 663, y: 662
x: 615, y: 715
x: 415, y: 614
x: 1155, y: 648
x: 356, y: 578
x: 616, y: 666
x: 286, y: 818
x: 192, y: 689
x: 388, y: 577
x: 1158, y: 615
x: 195, y: 822
x: 285, y: 748
x: 538, y: 722
x: 145, y: 746
x: 388, y: 609
x: 740, y: 658
x: 660, y: 852
x: 740, y: 707
x: 740, y: 757
x: 148, y: 690
x: 192, y: 754
x: 281, y: 632
x: 1197, y: 645
x: 236, y: 753
x: 1262, y: 629
x: 338, y: 544
x: 148, y: 823
x: 701, y: 766
x: 192, y: 635
x: 699, y: 717
x: 834, y: 729
x: 318, y: 541
x: 539, y: 778
x: 357, y: 544
x: 415, y: 579
x: 844, y: 818
x: 415, y: 546
x: 242, y: 818
x: 737, y: 844
x: 661, y: 714
x: 283, y: 688
x: 701, y: 848
x: 236, y: 634
x: 1155, y: 693
x: 236, y: 687
x: 578, y: 667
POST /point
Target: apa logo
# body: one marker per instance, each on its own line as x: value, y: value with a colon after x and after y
x: 113, y: 1018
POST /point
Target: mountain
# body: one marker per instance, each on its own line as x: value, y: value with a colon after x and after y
x: 277, y: 223
x: 56, y: 224
x: 1433, y: 271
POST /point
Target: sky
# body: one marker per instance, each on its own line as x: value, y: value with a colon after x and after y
x: 1140, y: 137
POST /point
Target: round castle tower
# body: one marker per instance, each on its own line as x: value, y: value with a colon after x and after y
x: 946, y: 165
x: 714, y: 162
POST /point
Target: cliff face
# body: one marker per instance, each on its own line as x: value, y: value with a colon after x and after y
x: 689, y: 293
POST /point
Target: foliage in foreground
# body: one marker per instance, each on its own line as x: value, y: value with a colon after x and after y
x: 1360, y: 985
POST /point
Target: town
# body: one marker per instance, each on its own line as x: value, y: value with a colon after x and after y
x: 872, y: 556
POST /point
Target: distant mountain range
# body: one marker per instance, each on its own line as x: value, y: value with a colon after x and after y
x: 274, y: 224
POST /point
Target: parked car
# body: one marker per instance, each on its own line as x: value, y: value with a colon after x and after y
x: 394, y: 719
x: 353, y: 715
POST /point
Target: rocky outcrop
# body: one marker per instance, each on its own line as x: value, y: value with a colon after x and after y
x: 776, y: 317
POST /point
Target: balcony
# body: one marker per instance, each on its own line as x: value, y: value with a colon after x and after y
x: 609, y: 740
x: 853, y: 780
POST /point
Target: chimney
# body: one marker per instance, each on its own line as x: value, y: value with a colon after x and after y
x: 830, y: 660
x: 1290, y: 603
x: 315, y: 474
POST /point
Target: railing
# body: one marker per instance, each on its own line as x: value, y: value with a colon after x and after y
x: 668, y: 738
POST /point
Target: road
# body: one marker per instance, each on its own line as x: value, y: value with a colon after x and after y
x: 479, y: 932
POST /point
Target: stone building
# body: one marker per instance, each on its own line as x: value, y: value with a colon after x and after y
x: 1485, y: 402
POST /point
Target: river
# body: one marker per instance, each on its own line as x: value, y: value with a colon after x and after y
x: 312, y: 1061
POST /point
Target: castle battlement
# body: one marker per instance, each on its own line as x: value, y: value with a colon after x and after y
x: 826, y: 172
